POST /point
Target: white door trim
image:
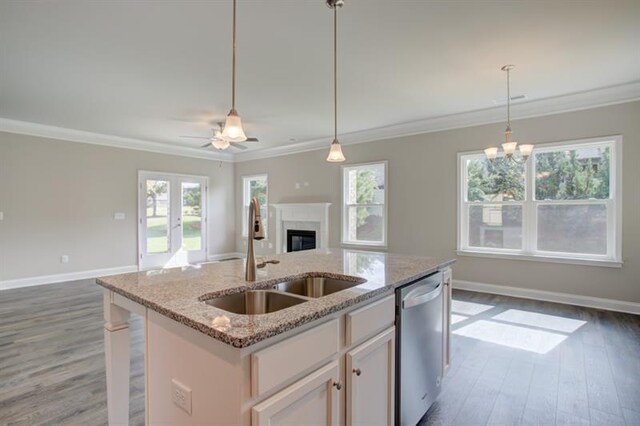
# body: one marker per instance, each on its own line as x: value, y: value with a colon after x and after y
x: 173, y: 178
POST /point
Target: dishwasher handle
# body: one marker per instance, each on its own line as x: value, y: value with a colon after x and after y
x: 419, y: 296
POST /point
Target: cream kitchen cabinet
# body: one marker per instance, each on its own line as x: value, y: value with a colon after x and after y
x: 370, y: 381
x: 312, y: 399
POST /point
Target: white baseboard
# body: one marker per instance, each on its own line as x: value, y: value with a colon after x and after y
x: 550, y: 296
x: 70, y: 276
x: 224, y: 256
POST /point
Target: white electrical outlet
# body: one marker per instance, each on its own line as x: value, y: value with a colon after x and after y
x: 297, y: 185
x: 270, y: 245
x: 118, y: 216
x: 64, y: 258
x: 1, y: 215
x: 181, y: 395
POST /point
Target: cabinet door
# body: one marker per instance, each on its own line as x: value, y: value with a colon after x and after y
x: 312, y: 400
x: 446, y: 320
x: 370, y: 381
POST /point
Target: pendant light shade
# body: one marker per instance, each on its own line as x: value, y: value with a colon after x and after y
x: 491, y: 153
x: 526, y: 150
x: 335, y: 152
x: 233, y: 131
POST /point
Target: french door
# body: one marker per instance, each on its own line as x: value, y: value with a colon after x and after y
x: 172, y: 223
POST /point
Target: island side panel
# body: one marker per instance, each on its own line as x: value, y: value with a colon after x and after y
x: 211, y: 371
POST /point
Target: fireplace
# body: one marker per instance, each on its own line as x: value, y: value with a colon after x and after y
x: 298, y: 240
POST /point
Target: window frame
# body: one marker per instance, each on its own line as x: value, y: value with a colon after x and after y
x: 345, y: 207
x: 245, y: 202
x: 529, y: 250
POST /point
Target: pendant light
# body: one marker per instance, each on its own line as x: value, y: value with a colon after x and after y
x: 335, y: 152
x: 233, y: 131
x: 509, y: 145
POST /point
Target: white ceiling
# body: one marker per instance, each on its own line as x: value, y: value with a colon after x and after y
x: 155, y: 70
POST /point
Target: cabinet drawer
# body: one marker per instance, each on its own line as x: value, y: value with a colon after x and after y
x: 370, y: 320
x: 277, y: 364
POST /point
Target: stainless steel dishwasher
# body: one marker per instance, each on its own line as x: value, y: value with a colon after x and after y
x: 419, y: 348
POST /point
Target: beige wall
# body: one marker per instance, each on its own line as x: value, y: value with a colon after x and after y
x: 422, y: 197
x: 59, y: 198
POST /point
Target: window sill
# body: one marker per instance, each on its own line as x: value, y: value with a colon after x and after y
x: 364, y: 246
x: 539, y: 258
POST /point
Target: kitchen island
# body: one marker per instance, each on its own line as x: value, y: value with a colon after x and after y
x: 208, y: 361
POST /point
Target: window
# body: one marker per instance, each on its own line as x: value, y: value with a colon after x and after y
x: 254, y: 186
x: 563, y: 203
x: 364, y: 206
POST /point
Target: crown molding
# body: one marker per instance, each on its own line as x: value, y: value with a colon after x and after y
x: 596, y: 98
x: 612, y: 95
x: 61, y: 133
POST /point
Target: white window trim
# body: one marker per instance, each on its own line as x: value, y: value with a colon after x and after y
x: 243, y: 218
x: 528, y: 252
x: 345, y: 207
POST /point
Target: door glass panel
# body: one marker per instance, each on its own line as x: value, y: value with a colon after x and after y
x: 191, y: 216
x: 158, y: 211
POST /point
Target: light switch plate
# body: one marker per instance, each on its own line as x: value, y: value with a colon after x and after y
x: 118, y: 216
x: 1, y: 215
x: 181, y: 395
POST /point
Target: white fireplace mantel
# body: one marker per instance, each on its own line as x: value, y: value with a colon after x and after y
x: 312, y: 213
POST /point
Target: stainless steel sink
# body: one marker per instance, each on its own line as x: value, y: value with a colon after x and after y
x: 255, y: 302
x: 316, y: 286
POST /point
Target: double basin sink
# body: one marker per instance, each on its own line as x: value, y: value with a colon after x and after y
x: 282, y: 295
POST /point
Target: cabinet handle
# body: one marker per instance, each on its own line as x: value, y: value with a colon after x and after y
x: 357, y: 371
x: 337, y: 385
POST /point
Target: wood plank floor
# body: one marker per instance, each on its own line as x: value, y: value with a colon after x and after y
x: 574, y: 366
x: 518, y: 361
x: 52, y: 367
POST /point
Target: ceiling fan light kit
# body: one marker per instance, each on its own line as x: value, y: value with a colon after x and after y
x: 509, y: 146
x: 233, y: 131
x: 335, y: 151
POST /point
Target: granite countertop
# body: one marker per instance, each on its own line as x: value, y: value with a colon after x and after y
x: 178, y: 293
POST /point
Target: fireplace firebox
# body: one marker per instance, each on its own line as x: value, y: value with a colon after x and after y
x: 298, y: 240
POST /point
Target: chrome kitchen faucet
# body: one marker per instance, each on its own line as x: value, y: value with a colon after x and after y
x: 255, y: 232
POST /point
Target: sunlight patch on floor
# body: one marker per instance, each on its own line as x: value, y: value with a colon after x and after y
x: 457, y: 318
x: 468, y: 308
x: 513, y: 336
x: 550, y: 322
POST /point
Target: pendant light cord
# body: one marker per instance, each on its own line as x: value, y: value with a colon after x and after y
x: 335, y: 73
x: 508, y: 100
x: 233, y: 62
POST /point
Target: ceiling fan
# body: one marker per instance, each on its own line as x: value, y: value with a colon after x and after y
x: 217, y: 141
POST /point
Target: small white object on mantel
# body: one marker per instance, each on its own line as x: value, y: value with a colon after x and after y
x: 316, y: 215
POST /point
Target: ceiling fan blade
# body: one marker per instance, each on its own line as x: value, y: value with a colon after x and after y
x: 239, y: 146
x: 196, y: 137
x: 206, y: 145
x: 252, y: 140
